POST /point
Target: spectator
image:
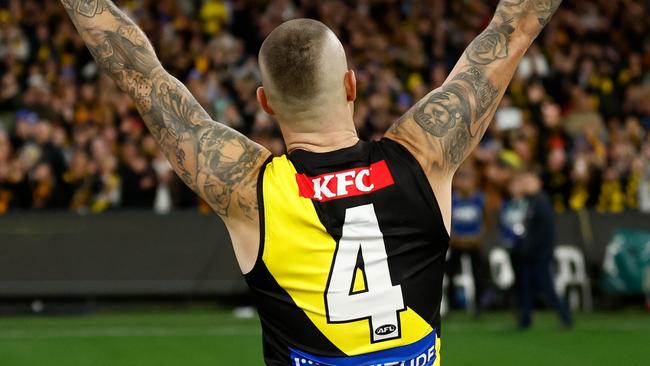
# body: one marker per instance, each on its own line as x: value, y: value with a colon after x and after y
x: 513, y: 216
x: 577, y: 108
x: 557, y: 178
x: 138, y: 180
x: 468, y: 228
x: 533, y: 253
x: 644, y: 181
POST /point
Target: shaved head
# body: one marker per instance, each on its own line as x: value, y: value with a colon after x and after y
x: 303, y: 67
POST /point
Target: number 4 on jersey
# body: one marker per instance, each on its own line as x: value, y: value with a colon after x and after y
x: 380, y: 302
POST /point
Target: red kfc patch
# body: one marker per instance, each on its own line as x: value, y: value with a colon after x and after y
x: 348, y: 183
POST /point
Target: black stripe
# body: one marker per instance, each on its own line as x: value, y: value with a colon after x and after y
x: 284, y: 324
x: 260, y: 207
x: 423, y: 181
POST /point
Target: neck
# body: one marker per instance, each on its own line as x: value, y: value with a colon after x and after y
x: 335, y: 132
x: 321, y: 142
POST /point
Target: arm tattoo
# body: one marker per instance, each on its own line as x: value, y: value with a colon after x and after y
x: 212, y: 159
x: 88, y: 8
x: 457, y: 115
x: 457, y: 112
x: 490, y: 45
x: 543, y: 10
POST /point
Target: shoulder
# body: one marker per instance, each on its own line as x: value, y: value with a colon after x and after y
x: 276, y: 163
x: 403, y: 152
x: 278, y: 176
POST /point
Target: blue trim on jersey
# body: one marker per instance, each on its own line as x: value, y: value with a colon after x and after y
x: 420, y: 353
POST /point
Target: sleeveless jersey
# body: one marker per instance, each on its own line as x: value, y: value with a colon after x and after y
x: 350, y: 265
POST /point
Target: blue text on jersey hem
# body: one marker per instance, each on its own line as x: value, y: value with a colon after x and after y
x: 420, y: 353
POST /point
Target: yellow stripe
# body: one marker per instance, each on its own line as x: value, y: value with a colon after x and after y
x: 438, y: 349
x: 299, y: 252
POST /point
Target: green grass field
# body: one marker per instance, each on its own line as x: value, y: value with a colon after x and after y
x: 197, y: 338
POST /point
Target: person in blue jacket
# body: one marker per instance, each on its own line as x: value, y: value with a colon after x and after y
x: 468, y: 228
x: 532, y: 252
x: 513, y: 215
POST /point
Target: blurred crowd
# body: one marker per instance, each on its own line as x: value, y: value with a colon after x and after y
x: 578, y: 110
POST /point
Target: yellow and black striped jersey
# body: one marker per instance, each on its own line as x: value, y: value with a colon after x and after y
x: 351, y: 259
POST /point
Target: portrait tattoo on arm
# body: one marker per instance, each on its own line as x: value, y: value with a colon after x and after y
x: 456, y: 116
x: 212, y: 159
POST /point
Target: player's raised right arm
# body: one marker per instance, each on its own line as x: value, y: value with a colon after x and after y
x: 443, y: 128
x: 217, y: 162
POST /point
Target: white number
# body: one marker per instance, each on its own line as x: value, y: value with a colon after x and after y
x: 381, y: 301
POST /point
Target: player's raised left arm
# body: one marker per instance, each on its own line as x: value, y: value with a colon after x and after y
x: 443, y: 128
x: 217, y: 162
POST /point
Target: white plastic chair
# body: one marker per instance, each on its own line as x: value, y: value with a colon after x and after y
x: 501, y: 269
x: 571, y: 272
x: 465, y: 279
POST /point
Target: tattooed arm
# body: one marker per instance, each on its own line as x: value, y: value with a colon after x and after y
x: 217, y: 162
x: 443, y: 128
x: 212, y: 159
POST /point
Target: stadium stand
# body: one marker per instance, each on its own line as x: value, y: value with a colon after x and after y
x: 577, y: 110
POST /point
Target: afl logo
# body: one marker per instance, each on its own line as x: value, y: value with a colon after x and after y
x: 385, y: 329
